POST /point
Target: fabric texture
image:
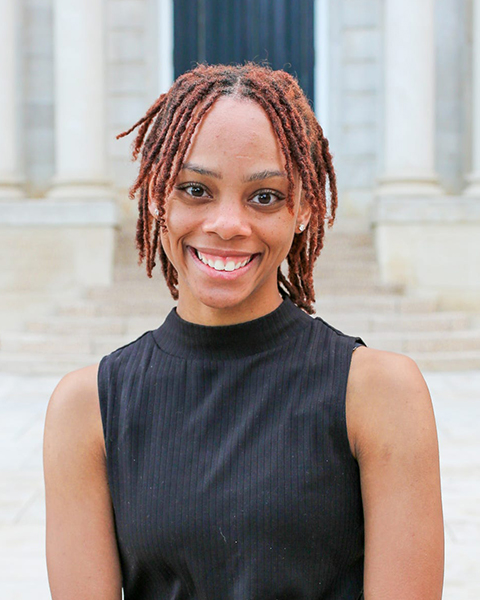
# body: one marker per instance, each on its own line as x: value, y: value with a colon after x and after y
x: 229, y: 464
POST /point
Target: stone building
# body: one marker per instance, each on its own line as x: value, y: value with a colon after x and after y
x: 397, y: 89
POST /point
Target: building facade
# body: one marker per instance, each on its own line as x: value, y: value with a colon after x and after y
x: 397, y: 89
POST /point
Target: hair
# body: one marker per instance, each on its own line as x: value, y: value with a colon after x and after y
x: 166, y: 131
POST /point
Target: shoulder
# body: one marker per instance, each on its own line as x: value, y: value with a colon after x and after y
x: 392, y: 434
x: 388, y: 402
x: 73, y: 416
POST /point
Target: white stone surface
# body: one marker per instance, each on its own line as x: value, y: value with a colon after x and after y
x: 53, y: 258
x: 81, y: 167
x: 473, y: 188
x: 23, y: 402
x: 361, y: 44
x: 9, y: 101
x: 452, y: 59
x: 409, y: 98
x: 126, y: 14
x: 165, y: 44
x: 434, y: 258
x: 48, y: 212
x: 361, y: 77
x: 361, y: 13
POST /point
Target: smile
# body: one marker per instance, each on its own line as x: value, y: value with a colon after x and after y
x: 223, y: 263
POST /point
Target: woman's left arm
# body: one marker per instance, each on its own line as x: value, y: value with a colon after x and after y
x: 392, y: 434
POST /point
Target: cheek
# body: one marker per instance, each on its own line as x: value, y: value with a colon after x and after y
x: 280, y: 234
x: 178, y: 220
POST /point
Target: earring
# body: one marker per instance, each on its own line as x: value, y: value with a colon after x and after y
x: 301, y: 227
x: 156, y: 212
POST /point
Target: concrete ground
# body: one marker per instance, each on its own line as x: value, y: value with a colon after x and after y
x: 23, y: 401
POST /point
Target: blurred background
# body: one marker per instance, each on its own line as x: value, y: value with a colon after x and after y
x: 396, y: 87
x: 394, y: 83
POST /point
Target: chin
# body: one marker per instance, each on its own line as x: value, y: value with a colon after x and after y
x: 222, y: 301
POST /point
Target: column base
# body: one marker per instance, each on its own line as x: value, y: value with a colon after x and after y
x: 473, y: 187
x: 80, y: 191
x: 49, y: 247
x: 409, y: 187
x: 11, y: 191
x: 431, y: 245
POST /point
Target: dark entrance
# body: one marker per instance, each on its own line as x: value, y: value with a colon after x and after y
x: 232, y: 31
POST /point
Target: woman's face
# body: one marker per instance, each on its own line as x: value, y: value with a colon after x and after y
x: 228, y: 226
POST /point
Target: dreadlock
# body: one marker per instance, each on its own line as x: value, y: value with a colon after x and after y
x: 164, y: 136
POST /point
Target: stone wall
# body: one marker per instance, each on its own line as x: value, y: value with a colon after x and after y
x: 356, y: 94
x: 357, y: 97
x: 36, y: 82
x: 131, y: 81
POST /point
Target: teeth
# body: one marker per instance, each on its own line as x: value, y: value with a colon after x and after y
x: 219, y: 265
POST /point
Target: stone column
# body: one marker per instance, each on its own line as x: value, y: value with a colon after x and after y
x: 409, y: 99
x: 80, y: 153
x: 473, y: 189
x: 9, y: 103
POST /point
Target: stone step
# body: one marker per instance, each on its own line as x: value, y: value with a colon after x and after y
x: 37, y: 364
x: 72, y: 325
x: 362, y: 324
x: 351, y: 273
x: 403, y: 333
x: 425, y: 343
x: 65, y: 344
x: 448, y: 361
x: 60, y: 364
x: 353, y: 287
x: 132, y: 308
x: 72, y: 322
x: 386, y: 303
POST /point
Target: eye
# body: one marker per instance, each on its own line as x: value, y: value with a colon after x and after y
x: 266, y: 198
x: 194, y: 189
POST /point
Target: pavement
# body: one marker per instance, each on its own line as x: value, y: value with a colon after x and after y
x: 23, y: 402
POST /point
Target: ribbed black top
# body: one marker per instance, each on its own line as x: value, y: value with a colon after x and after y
x: 228, y: 461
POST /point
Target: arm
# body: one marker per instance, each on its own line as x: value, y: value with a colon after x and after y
x: 392, y: 434
x: 82, y: 554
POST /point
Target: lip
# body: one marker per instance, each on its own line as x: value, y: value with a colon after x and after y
x: 223, y: 275
x: 222, y: 253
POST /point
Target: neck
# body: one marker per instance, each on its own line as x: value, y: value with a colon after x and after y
x: 202, y: 314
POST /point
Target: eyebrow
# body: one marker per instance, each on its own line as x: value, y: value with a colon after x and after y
x: 201, y: 170
x: 266, y: 174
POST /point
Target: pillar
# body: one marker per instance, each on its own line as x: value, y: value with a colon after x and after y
x: 473, y: 189
x: 409, y: 99
x: 80, y: 163
x: 9, y: 103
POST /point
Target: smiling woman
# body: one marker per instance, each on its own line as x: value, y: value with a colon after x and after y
x: 227, y: 226
x: 242, y: 450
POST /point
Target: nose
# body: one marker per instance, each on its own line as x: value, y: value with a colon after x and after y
x: 228, y: 219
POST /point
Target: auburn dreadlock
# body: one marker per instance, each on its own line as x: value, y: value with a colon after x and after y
x: 164, y: 136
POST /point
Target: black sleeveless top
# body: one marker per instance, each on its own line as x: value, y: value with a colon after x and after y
x: 228, y: 461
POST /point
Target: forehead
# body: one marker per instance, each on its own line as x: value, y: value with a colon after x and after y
x: 235, y: 129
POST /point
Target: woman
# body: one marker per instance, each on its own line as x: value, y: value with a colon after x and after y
x: 243, y: 450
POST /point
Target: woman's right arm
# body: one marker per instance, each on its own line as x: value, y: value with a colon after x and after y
x: 82, y: 557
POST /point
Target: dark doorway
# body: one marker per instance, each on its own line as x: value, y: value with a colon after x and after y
x: 233, y: 31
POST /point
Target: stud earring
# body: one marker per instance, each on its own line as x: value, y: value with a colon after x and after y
x: 156, y: 212
x: 301, y: 227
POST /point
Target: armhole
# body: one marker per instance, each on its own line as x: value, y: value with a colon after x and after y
x: 102, y: 388
x: 357, y: 343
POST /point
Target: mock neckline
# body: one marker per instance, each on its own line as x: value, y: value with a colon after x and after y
x: 190, y: 340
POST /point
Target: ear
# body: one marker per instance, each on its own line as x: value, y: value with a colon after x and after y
x: 304, y: 212
x: 152, y: 207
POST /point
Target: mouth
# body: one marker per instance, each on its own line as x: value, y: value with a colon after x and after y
x: 227, y: 263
